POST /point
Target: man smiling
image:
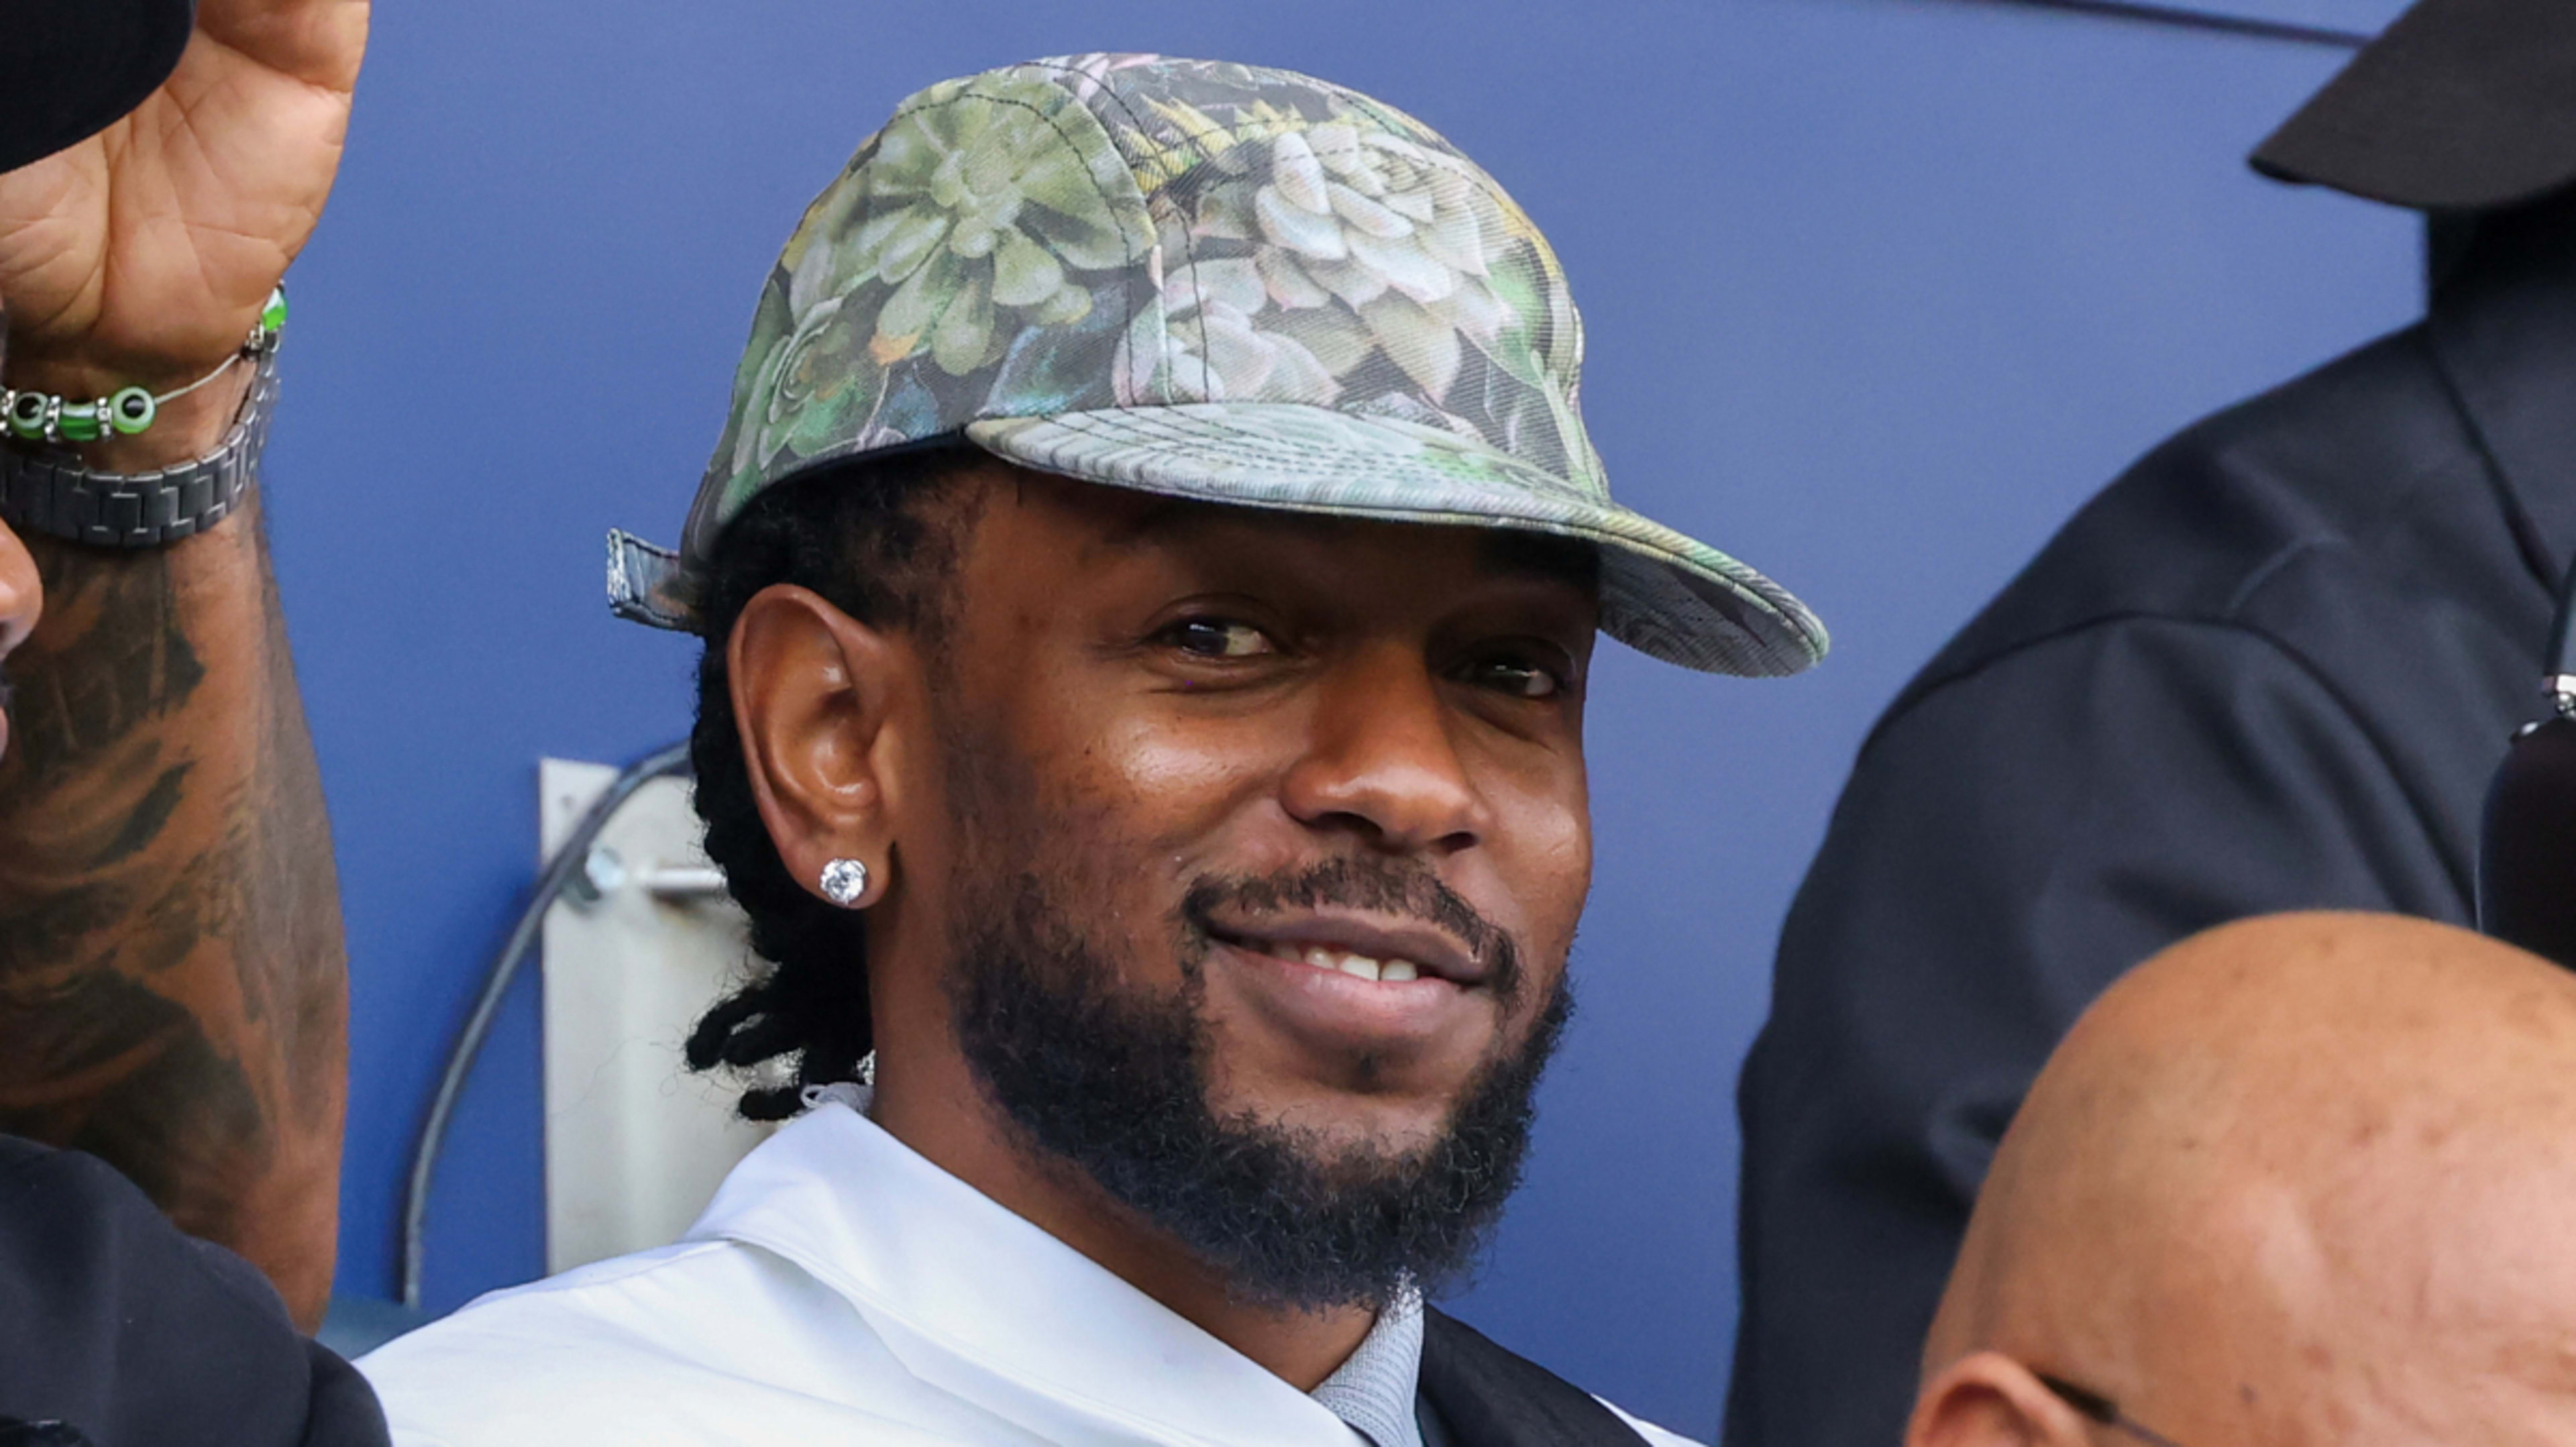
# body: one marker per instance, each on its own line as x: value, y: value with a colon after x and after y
x: 1148, y: 579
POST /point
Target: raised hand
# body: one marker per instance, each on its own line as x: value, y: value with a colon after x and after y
x: 143, y: 254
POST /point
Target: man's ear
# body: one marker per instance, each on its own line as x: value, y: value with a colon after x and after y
x: 826, y: 706
x: 1986, y: 1399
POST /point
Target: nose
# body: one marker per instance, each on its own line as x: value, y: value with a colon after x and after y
x: 1383, y: 760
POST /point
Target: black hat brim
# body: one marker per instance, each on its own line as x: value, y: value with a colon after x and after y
x: 2459, y: 105
x: 70, y: 68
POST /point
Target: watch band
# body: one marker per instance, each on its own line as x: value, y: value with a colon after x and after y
x: 54, y: 492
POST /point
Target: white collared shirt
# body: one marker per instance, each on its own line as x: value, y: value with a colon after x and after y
x: 839, y: 1289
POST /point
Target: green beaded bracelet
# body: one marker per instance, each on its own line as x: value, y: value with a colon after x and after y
x: 132, y: 410
x: 27, y: 414
x: 43, y: 417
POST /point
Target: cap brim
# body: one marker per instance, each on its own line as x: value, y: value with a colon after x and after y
x: 2458, y: 105
x: 71, y: 68
x: 1662, y: 593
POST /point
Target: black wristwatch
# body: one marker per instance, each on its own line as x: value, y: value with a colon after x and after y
x: 50, y: 490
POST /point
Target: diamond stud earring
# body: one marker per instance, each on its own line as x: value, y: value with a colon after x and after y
x: 844, y: 880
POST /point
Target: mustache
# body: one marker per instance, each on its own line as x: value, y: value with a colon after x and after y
x: 1405, y: 891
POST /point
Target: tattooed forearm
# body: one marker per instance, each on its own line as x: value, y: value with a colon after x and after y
x: 172, y: 989
x: 119, y: 618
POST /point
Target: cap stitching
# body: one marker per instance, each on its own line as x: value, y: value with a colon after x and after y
x: 1251, y: 439
x: 1128, y: 292
x: 1188, y: 248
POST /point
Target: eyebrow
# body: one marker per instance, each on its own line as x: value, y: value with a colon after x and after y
x: 1553, y: 557
x: 1165, y: 516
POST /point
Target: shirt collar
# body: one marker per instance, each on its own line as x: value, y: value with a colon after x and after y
x: 982, y: 1303
x: 1374, y: 1391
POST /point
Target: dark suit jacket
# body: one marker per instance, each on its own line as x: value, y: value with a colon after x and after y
x: 2270, y: 668
x: 1484, y: 1396
x: 118, y: 1331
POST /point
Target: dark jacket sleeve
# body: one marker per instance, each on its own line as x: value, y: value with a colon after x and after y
x: 2011, y: 840
x: 115, y: 1323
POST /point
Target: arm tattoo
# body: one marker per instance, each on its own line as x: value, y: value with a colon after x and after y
x: 171, y: 968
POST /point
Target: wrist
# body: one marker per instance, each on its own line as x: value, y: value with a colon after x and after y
x: 114, y: 425
x: 51, y: 489
x: 183, y: 428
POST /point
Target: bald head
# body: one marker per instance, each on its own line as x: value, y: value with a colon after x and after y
x: 2309, y: 1179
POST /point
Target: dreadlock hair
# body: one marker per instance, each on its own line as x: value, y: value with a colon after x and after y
x: 867, y: 537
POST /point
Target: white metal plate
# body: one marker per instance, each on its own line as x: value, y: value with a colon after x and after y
x: 635, y: 1142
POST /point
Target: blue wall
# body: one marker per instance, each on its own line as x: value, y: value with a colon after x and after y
x: 1878, y: 290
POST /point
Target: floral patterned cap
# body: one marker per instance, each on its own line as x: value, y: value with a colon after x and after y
x: 1210, y: 281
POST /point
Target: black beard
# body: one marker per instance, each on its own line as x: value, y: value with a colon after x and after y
x: 1116, y: 1085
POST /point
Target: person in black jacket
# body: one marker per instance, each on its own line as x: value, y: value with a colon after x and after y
x: 2271, y: 668
x: 171, y: 971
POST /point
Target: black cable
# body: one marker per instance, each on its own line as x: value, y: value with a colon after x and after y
x: 523, y: 937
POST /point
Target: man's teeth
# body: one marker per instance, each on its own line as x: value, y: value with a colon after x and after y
x: 1389, y: 972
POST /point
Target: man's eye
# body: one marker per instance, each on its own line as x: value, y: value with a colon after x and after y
x: 1216, y: 638
x: 1517, y: 678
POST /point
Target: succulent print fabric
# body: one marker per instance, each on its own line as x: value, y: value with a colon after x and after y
x: 1319, y: 247
x: 1122, y: 230
x: 1216, y: 279
x: 985, y: 244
